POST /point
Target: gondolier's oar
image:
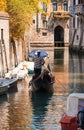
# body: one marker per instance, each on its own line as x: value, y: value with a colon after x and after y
x: 48, y: 66
x: 61, y: 84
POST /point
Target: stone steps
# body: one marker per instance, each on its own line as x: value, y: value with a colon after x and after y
x: 41, y: 45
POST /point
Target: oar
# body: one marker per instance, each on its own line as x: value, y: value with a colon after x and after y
x: 61, y: 83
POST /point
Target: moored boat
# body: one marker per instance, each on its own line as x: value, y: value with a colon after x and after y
x: 5, y: 84
x: 12, y: 82
x: 74, y: 117
x: 3, y: 89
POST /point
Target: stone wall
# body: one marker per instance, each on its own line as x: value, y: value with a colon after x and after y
x: 4, y: 45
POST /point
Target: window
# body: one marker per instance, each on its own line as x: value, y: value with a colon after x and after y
x: 74, y: 2
x: 44, y: 7
x: 33, y: 20
x: 80, y: 2
x: 77, y: 22
x: 73, y: 22
x: 54, y: 6
x: 1, y: 34
x: 81, y: 21
x: 65, y: 6
x: 2, y: 39
x: 44, y: 23
x: 44, y: 33
x: 77, y: 37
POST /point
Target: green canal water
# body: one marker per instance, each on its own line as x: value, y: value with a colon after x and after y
x: 43, y: 111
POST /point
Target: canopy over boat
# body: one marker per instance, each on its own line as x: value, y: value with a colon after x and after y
x: 75, y: 101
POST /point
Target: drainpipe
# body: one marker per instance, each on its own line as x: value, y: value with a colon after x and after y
x: 37, y: 21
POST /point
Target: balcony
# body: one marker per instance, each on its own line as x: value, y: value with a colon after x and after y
x: 61, y: 14
x: 79, y: 9
x: 72, y: 11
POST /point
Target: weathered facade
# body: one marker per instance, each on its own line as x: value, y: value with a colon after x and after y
x: 4, y: 43
x: 52, y: 27
x: 16, y: 52
x: 11, y: 52
x: 77, y: 24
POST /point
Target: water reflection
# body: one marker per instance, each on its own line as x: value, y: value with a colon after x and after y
x: 76, y: 72
x: 58, y: 56
x: 13, y: 89
x: 61, y: 69
x: 61, y: 60
x: 40, y: 102
x: 42, y: 111
x: 3, y: 99
x: 19, y: 109
x: 3, y: 112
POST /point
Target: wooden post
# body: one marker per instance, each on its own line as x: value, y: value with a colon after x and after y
x: 2, y: 59
x: 5, y: 55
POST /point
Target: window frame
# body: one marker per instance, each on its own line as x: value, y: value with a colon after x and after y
x: 54, y: 6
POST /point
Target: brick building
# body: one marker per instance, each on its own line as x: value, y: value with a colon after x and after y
x: 51, y: 28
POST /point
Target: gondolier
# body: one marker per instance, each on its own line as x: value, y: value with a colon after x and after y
x: 40, y: 81
x: 38, y: 61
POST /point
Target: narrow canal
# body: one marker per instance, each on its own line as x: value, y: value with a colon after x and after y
x: 42, y: 111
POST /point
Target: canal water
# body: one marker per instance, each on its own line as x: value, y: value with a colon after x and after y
x: 43, y: 111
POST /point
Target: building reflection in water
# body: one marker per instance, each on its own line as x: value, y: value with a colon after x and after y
x: 61, y: 70
x: 3, y: 112
x: 40, y: 102
x: 76, y: 72
x: 47, y: 109
x: 5, y: 108
x: 19, y: 109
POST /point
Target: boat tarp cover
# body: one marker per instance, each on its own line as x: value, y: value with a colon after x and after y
x: 74, y: 100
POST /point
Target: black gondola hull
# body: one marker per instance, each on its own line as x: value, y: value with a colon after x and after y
x: 41, y: 84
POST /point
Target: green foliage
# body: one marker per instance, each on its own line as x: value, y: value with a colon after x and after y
x: 21, y: 13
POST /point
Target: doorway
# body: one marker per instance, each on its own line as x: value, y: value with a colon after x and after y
x: 59, y: 36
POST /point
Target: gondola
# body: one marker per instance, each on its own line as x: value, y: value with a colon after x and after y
x: 44, y: 82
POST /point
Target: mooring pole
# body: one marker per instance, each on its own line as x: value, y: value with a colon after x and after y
x: 2, y: 62
x: 5, y: 54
